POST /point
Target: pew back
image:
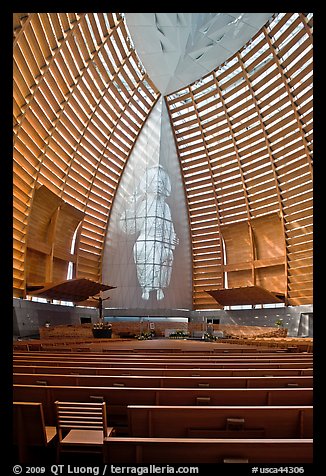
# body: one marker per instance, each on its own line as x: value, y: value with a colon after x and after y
x: 165, y: 382
x: 231, y: 371
x: 118, y: 398
x: 131, y: 450
x: 220, y: 421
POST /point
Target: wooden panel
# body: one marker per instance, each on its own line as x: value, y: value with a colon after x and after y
x: 59, y: 270
x: 240, y: 278
x: 176, y: 421
x: 272, y: 278
x: 70, y: 290
x: 51, y: 228
x: 145, y: 451
x: 269, y: 237
x: 35, y: 266
x: 68, y: 220
x: 254, y: 257
x: 244, y: 295
x: 237, y: 242
x: 44, y: 205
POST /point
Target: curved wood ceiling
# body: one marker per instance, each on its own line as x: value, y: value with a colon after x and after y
x: 243, y: 135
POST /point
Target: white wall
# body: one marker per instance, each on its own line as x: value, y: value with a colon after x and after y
x: 28, y: 316
x: 261, y: 317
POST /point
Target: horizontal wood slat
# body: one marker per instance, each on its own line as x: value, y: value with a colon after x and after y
x: 62, y: 86
x: 243, y: 136
x: 261, y: 154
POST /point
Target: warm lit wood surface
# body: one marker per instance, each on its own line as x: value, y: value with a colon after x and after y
x: 244, y: 136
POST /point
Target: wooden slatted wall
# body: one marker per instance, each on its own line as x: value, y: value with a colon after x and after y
x: 243, y: 135
x: 244, y: 138
x: 81, y: 97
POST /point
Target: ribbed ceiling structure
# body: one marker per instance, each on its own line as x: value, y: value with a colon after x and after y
x: 243, y: 135
x: 180, y: 48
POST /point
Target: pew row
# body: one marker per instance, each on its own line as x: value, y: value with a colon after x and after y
x: 162, y: 355
x: 131, y: 450
x: 220, y: 421
x: 103, y: 346
x: 244, y: 370
x: 118, y: 398
x: 159, y: 357
x: 165, y: 382
x: 161, y: 364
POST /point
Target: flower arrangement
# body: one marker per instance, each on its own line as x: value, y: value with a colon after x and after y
x: 145, y: 335
x: 179, y: 335
x: 102, y: 329
x: 209, y: 337
x: 102, y: 325
x: 279, y: 322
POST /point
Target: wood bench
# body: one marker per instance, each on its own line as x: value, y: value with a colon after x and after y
x: 29, y: 429
x: 20, y: 346
x: 220, y: 363
x: 152, y: 364
x: 166, y: 382
x: 144, y: 353
x: 159, y: 356
x: 192, y: 372
x: 129, y: 450
x: 127, y: 345
x: 220, y: 421
x: 253, y: 344
x: 287, y: 344
x: 118, y: 398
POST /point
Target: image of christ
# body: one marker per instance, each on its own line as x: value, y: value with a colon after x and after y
x: 149, y: 216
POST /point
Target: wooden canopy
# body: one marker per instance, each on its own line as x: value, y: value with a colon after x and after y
x: 245, y: 295
x: 74, y: 290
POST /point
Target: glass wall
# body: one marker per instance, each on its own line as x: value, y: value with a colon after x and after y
x: 147, y: 251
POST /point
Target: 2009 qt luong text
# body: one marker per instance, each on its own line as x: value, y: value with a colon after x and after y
x: 58, y: 469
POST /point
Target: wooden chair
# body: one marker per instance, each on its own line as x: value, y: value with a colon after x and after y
x: 81, y: 427
x: 29, y: 429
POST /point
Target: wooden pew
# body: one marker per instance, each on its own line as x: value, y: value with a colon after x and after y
x: 101, y: 345
x: 20, y: 346
x: 29, y: 429
x: 153, y: 364
x: 220, y: 421
x: 162, y: 357
x: 245, y: 344
x: 306, y: 363
x: 86, y: 359
x: 166, y: 382
x: 193, y: 372
x: 128, y: 450
x: 158, y: 355
x: 118, y: 398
